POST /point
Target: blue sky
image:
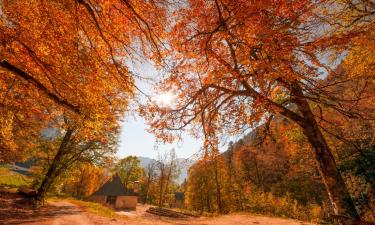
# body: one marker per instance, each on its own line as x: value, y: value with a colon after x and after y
x: 135, y: 140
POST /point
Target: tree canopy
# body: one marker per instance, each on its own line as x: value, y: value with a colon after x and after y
x: 236, y: 64
x: 129, y: 170
x: 70, y: 55
x: 232, y: 66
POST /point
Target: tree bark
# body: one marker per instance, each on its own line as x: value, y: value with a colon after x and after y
x: 335, y: 186
x: 218, y: 191
x: 147, y: 188
x: 167, y: 180
x: 53, y: 168
x: 24, y: 75
x: 146, y: 195
x: 161, y: 184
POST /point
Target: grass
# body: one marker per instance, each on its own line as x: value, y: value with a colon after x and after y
x: 91, y: 207
x: 96, y: 208
x: 12, y: 179
x: 188, y: 212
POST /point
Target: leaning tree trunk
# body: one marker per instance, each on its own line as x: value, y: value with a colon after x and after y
x: 52, y: 172
x: 47, y: 181
x: 337, y: 191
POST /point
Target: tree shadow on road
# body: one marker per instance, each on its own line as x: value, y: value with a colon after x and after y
x: 16, y: 209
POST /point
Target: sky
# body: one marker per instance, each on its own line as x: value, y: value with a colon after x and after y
x: 134, y: 137
x: 135, y: 140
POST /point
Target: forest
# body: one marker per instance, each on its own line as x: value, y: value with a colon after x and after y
x: 281, y: 93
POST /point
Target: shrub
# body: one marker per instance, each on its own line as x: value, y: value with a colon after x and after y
x: 268, y: 204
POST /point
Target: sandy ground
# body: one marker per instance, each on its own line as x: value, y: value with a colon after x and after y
x: 65, y: 213
x: 17, y: 210
x: 141, y: 217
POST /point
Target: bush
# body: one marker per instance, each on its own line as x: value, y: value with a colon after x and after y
x: 268, y: 204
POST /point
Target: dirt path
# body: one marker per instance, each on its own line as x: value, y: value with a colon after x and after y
x: 17, y: 210
x: 221, y: 220
x: 65, y: 213
x: 141, y: 217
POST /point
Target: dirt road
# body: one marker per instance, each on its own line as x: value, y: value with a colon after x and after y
x: 141, y: 217
x: 55, y: 213
x: 65, y: 213
x: 17, y: 210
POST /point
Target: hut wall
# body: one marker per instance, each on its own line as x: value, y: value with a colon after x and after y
x: 179, y: 204
x: 126, y: 202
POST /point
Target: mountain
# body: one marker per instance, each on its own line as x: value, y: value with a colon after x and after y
x: 22, y: 167
x: 145, y: 161
x: 184, y: 165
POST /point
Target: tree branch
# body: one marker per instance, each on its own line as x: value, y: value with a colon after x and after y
x: 57, y: 99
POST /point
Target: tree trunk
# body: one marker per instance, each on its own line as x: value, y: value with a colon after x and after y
x: 52, y: 170
x: 259, y: 181
x: 331, y: 177
x: 218, y: 191
x: 147, y: 188
x: 146, y: 197
x: 167, y: 181
x: 161, y: 188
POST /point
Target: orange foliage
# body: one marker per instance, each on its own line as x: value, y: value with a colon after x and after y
x: 58, y: 55
x: 84, y: 180
x: 238, y: 63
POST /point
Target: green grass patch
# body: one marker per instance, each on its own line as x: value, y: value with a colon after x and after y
x: 4, y: 171
x: 12, y: 179
x: 96, y: 208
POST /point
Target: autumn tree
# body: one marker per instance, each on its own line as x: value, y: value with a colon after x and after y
x: 264, y: 172
x: 149, y: 178
x: 352, y: 141
x: 69, y: 55
x: 75, y: 141
x: 238, y: 63
x: 199, y: 195
x: 59, y: 58
x: 129, y: 170
x: 83, y: 180
x: 167, y: 170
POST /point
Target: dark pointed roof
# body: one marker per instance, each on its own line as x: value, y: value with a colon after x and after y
x: 179, y: 195
x: 114, y: 187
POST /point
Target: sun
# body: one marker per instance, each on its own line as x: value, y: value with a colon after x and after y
x: 165, y: 99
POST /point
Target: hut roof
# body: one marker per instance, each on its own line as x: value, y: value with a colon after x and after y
x: 179, y: 195
x: 114, y: 187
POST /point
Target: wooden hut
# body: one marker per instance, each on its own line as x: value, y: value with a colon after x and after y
x: 115, y: 194
x: 179, y: 198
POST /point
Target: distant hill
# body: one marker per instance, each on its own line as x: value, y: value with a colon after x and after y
x: 21, y: 167
x: 27, y: 164
x: 145, y: 161
x: 184, y: 165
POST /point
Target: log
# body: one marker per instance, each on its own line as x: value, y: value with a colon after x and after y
x: 167, y: 212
